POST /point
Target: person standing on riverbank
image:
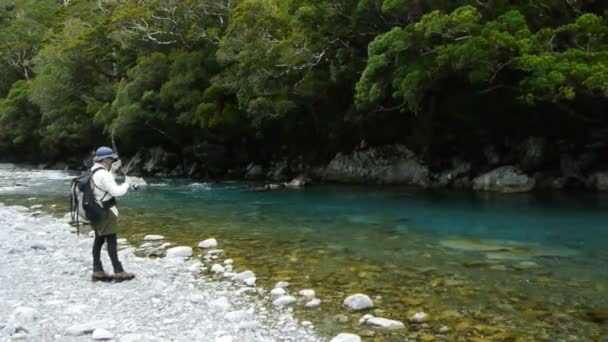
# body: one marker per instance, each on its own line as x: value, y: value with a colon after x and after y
x: 105, y: 190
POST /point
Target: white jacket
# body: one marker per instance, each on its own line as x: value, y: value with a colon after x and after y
x: 105, y: 186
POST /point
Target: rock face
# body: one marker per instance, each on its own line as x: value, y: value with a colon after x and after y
x: 504, y: 179
x: 393, y: 164
x: 254, y: 171
x: 533, y: 153
x: 358, y: 302
x: 449, y: 177
x: 599, y: 181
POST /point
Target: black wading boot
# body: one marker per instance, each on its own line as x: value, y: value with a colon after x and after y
x: 101, y: 276
x: 122, y: 276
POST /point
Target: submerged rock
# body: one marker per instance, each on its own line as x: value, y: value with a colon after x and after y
x: 385, y: 323
x: 309, y: 294
x: 346, y: 337
x: 419, y: 317
x: 504, y: 179
x: 282, y: 284
x: 358, y: 302
x: 313, y: 303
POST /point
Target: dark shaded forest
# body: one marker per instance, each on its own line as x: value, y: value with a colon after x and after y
x: 269, y: 79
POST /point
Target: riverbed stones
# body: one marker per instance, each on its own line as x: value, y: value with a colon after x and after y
x: 277, y: 292
x: 385, y: 323
x: 284, y: 301
x: 180, y: 251
x: 209, y: 243
x: 153, y: 237
x: 358, y: 302
x: 346, y: 337
x: 228, y: 262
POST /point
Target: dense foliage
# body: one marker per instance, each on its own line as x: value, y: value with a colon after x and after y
x: 298, y: 77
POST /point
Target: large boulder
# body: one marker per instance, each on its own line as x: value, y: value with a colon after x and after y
x: 504, y: 179
x: 393, y: 164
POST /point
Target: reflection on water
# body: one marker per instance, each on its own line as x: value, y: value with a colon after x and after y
x: 492, y: 267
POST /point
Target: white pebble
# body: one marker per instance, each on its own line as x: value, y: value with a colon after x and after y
x: 153, y: 237
x: 217, y: 268
x: 284, y: 301
x: 277, y: 292
x: 282, y: 284
x: 102, y: 334
x: 309, y: 294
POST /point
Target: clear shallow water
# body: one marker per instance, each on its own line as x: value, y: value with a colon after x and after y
x: 548, y: 269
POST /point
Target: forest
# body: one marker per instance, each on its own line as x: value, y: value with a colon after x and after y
x: 269, y: 79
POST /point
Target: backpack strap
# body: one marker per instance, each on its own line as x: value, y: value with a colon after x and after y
x: 95, y: 185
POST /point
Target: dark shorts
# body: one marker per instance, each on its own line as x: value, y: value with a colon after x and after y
x: 107, y: 224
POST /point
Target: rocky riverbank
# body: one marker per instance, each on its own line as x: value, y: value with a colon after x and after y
x: 535, y: 163
x: 47, y: 294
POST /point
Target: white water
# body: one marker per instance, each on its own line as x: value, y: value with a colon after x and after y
x: 46, y: 288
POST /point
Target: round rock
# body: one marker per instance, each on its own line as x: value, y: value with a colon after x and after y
x: 209, y: 243
x: 284, y: 301
x: 309, y: 294
x: 358, y: 302
x: 277, y: 292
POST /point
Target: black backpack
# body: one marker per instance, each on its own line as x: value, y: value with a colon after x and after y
x: 82, y: 200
